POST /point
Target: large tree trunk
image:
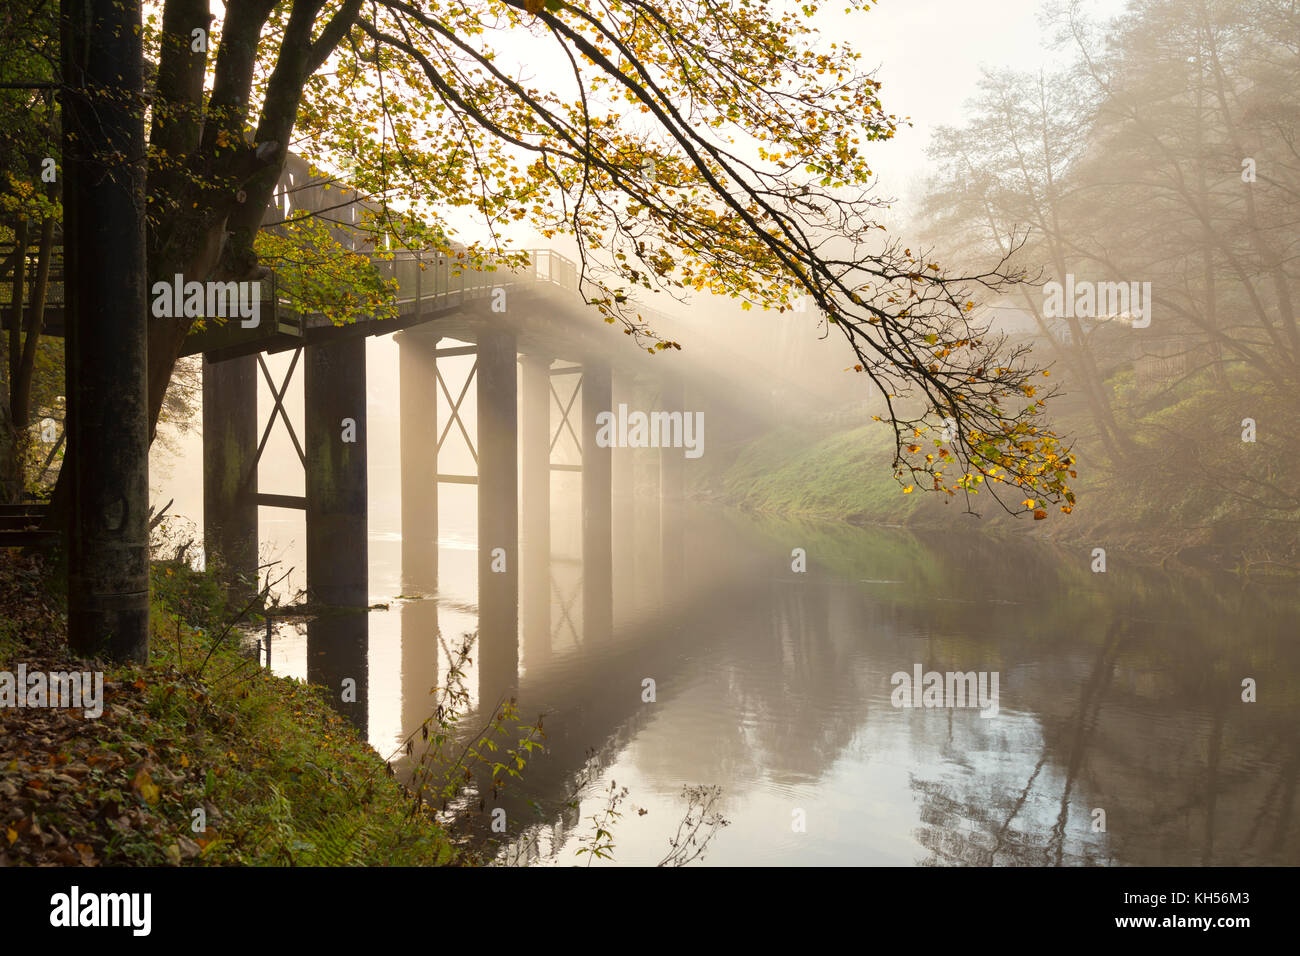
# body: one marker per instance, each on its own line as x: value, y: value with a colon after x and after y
x: 197, y: 231
x: 107, y: 466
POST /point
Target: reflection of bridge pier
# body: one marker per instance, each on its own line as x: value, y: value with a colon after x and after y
x: 420, y: 647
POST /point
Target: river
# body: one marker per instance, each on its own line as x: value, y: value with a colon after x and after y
x: 1120, y: 735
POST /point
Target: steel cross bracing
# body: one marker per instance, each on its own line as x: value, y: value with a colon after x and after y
x: 277, y: 398
x: 565, y: 408
x: 455, y: 407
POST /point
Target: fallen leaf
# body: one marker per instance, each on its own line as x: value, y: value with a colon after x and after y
x: 143, y: 785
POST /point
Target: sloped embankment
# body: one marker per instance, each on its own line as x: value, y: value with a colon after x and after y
x: 195, y: 760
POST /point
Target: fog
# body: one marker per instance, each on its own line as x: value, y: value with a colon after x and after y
x: 1141, y: 175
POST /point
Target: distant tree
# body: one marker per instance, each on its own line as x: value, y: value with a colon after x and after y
x: 29, y: 213
x: 1187, y: 93
x: 1005, y: 178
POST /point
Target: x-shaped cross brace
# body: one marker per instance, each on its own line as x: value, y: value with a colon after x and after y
x: 564, y: 413
x: 455, y: 408
x: 277, y: 395
x: 565, y: 608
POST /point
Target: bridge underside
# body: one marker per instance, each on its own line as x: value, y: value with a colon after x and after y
x: 518, y: 354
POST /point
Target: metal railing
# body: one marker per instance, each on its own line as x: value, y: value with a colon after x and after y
x: 53, y: 292
x: 425, y: 279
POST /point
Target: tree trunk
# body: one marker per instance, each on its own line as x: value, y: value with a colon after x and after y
x: 21, y: 401
x: 107, y: 465
x: 11, y: 453
x: 16, y: 309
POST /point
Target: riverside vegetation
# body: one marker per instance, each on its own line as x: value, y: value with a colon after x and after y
x: 1193, y: 488
x: 202, y: 757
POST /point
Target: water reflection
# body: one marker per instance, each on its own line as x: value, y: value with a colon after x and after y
x: 338, y: 642
x: 1120, y: 692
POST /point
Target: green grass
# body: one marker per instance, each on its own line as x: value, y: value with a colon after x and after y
x: 279, y: 776
x: 842, y: 476
x: 1178, y: 492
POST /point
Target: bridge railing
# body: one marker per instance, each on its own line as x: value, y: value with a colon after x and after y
x: 428, y: 280
x: 54, y: 289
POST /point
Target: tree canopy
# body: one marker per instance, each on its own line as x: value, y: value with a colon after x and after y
x: 687, y: 146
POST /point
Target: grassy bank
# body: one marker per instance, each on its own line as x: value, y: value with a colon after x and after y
x: 200, y: 734
x: 1188, y: 488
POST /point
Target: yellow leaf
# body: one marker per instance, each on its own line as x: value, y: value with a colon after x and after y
x: 143, y: 784
x: 11, y: 835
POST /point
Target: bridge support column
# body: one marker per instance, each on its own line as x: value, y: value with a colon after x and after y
x: 334, y: 399
x: 498, y: 514
x: 535, y: 580
x: 536, y: 443
x: 230, y: 472
x: 597, y: 523
x: 623, y: 467
x: 418, y: 389
x: 672, y: 398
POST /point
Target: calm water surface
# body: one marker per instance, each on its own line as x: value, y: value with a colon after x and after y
x: 1119, y: 693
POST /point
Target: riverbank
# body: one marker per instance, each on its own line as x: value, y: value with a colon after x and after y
x: 200, y: 757
x: 1189, y: 492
